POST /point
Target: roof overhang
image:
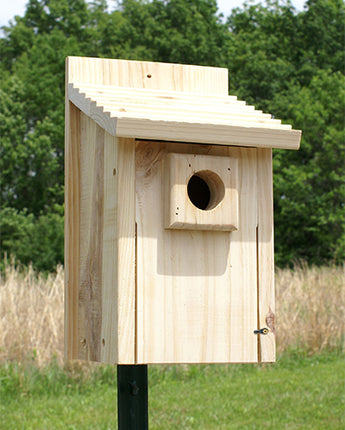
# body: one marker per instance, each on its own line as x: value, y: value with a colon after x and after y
x: 180, y: 116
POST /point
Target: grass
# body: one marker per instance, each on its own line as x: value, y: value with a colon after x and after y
x: 31, y: 315
x: 310, y: 309
x: 305, y: 389
x: 286, y: 395
x: 298, y: 392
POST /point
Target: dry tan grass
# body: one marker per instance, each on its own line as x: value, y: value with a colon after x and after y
x: 31, y: 315
x: 310, y: 308
x: 310, y: 312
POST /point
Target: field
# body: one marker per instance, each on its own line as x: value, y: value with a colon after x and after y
x: 305, y: 389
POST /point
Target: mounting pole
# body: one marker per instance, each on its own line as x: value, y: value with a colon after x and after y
x: 132, y: 397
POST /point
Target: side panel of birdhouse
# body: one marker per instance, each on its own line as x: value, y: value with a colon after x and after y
x: 100, y: 243
x: 72, y: 233
x: 197, y: 290
x: 265, y: 241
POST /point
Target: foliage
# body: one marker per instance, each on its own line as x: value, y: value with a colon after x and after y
x: 310, y: 185
x: 287, y: 63
x: 176, y: 31
x: 39, y: 239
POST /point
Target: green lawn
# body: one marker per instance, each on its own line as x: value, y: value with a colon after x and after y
x: 295, y: 393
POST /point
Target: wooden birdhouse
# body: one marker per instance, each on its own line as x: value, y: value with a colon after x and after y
x: 169, y: 216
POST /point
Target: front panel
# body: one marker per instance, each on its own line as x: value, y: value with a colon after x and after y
x: 197, y: 288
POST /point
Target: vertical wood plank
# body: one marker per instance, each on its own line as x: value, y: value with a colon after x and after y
x: 72, y: 222
x: 104, y: 286
x: 91, y: 239
x: 110, y: 253
x: 243, y: 263
x: 126, y: 251
x: 266, y: 305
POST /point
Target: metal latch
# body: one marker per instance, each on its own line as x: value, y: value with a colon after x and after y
x: 262, y: 331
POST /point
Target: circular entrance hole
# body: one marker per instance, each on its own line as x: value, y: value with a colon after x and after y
x: 205, y: 190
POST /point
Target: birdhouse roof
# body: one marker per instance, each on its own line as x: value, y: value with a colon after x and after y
x: 180, y: 116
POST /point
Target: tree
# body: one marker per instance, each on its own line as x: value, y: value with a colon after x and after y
x: 176, y: 31
x: 32, y: 125
x: 310, y: 183
x: 287, y: 63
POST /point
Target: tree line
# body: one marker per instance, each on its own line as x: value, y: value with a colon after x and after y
x: 285, y: 62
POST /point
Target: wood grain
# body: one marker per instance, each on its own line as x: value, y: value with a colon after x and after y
x: 126, y: 251
x: 144, y: 74
x: 165, y: 103
x: 109, y: 341
x: 243, y: 265
x: 135, y: 291
x: 103, y: 301
x: 159, y: 115
x: 72, y: 232
x: 91, y: 238
x: 266, y: 304
x: 220, y: 175
x: 196, y: 289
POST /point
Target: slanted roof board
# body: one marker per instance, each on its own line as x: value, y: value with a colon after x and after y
x: 128, y: 112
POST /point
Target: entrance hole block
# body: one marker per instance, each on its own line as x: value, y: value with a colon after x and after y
x: 201, y: 192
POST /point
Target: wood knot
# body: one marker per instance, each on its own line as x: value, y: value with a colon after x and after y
x: 270, y: 321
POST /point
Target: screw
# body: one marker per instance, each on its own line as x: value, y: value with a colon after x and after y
x: 261, y: 331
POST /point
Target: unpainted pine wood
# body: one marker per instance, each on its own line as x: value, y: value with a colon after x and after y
x: 118, y: 316
x: 106, y: 294
x: 206, y: 109
x: 107, y: 247
x: 217, y: 134
x: 190, y: 116
x: 119, y: 345
x: 175, y: 123
x: 72, y: 221
x: 91, y: 239
x: 196, y: 289
x: 266, y: 256
x: 210, y: 295
x: 137, y: 98
x: 109, y: 331
x: 141, y: 74
x: 126, y: 281
x: 220, y: 173
x: 204, y: 114
x: 243, y: 263
x: 159, y: 95
x: 94, y: 110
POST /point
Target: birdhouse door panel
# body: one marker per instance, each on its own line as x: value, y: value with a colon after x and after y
x: 196, y: 289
